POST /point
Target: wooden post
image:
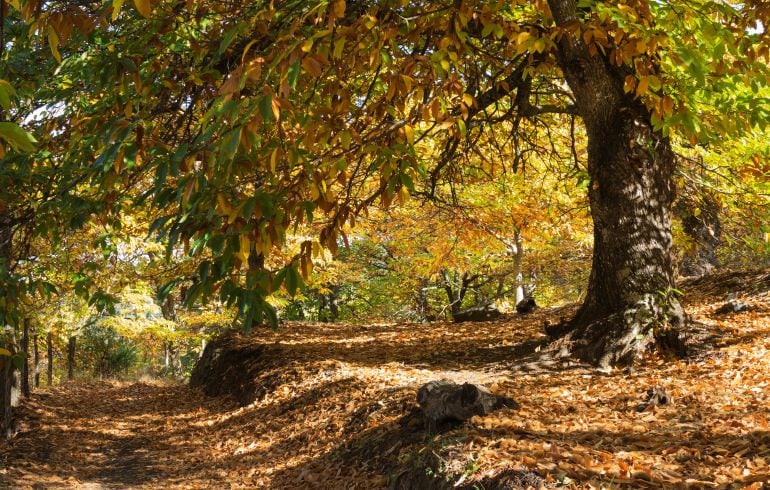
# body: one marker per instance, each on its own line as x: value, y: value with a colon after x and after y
x: 71, y: 358
x: 36, y: 359
x: 49, y: 338
x: 25, y: 366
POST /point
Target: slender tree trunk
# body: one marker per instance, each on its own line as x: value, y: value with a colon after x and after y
x: 25, y: 366
x: 702, y: 225
x: 518, y: 259
x: 334, y: 307
x: 49, y: 339
x: 71, y: 358
x: 8, y: 399
x: 630, y: 304
x: 36, y: 359
x: 6, y: 366
x: 6, y: 382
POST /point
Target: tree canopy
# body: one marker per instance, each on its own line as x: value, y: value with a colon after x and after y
x: 239, y: 127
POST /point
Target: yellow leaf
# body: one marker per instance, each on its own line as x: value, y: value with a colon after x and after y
x: 522, y: 37
x: 223, y: 205
x: 245, y: 247
x: 143, y: 6
x: 468, y: 99
x: 629, y: 84
x: 188, y: 192
x: 668, y: 106
x: 338, y: 8
x: 53, y: 42
x: 273, y: 160
x: 116, y: 5
x: 5, y: 352
x: 409, y: 132
x: 641, y: 89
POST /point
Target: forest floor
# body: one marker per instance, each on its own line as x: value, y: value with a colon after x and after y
x: 328, y: 408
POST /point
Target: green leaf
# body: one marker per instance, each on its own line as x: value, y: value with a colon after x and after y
x: 6, y: 92
x: 292, y: 280
x: 18, y: 360
x: 294, y: 70
x: 18, y: 138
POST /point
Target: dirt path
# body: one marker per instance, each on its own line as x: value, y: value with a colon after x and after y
x: 328, y: 402
x: 112, y: 435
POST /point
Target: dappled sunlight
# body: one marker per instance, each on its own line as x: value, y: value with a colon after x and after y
x: 334, y: 415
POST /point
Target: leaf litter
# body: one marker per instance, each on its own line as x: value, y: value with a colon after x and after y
x: 331, y: 402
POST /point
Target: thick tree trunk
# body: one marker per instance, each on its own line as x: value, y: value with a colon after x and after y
x: 36, y: 353
x: 25, y: 367
x: 630, y: 304
x: 71, y: 358
x: 49, y: 339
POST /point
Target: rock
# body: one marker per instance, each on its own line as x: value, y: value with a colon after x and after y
x: 655, y: 397
x: 526, y: 305
x: 483, y: 313
x: 230, y: 365
x: 443, y: 402
x: 732, y: 306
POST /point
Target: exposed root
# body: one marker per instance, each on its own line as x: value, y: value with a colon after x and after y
x: 622, y: 338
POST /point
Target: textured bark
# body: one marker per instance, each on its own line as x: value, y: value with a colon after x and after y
x: 6, y: 382
x: 49, y: 339
x: 10, y: 382
x: 629, y: 303
x: 36, y: 364
x: 25, y: 368
x: 71, y: 358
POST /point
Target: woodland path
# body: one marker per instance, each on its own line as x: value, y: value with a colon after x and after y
x: 112, y: 435
x: 331, y: 400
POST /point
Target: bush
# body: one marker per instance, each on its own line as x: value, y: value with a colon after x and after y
x: 106, y: 353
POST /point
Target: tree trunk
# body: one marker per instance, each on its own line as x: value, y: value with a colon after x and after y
x: 629, y: 305
x: 49, y: 339
x: 25, y: 366
x: 71, y: 358
x: 36, y: 359
x: 333, y: 302
x: 703, y: 227
x: 8, y: 389
x: 518, y: 259
x: 6, y: 382
x: 421, y: 298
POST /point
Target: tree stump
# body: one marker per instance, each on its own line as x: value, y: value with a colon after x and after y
x: 444, y: 403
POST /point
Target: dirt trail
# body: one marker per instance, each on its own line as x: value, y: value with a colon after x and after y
x: 329, y: 400
x: 111, y: 435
